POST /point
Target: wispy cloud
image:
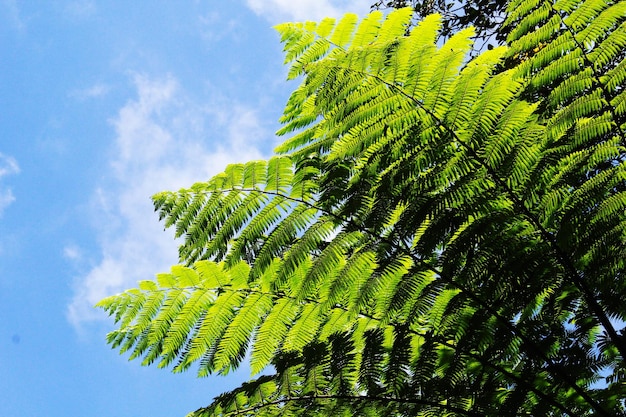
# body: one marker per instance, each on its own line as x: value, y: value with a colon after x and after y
x: 8, y: 166
x: 164, y: 141
x: 80, y: 9
x: 12, y: 11
x: 95, y: 91
x: 278, y: 11
x: 214, y: 26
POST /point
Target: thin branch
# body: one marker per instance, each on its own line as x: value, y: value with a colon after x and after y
x: 352, y: 398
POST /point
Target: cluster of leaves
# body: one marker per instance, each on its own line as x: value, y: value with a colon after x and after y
x: 440, y: 236
x: 486, y: 16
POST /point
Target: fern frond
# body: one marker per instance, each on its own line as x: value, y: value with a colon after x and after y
x: 232, y: 346
x: 367, y: 30
x: 272, y: 332
x: 344, y: 30
x: 304, y: 329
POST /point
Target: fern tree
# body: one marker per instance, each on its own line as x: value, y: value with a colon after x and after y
x: 438, y: 235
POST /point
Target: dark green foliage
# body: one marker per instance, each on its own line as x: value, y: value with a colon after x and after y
x: 440, y: 236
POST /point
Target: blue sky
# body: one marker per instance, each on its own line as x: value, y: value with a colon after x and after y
x: 102, y: 105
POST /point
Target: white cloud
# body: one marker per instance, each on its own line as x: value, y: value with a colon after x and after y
x: 164, y: 141
x: 95, y: 91
x: 278, y: 11
x: 72, y: 252
x: 8, y: 166
x: 6, y: 198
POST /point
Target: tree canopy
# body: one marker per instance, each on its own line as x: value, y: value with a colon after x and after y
x: 439, y: 235
x: 486, y: 16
